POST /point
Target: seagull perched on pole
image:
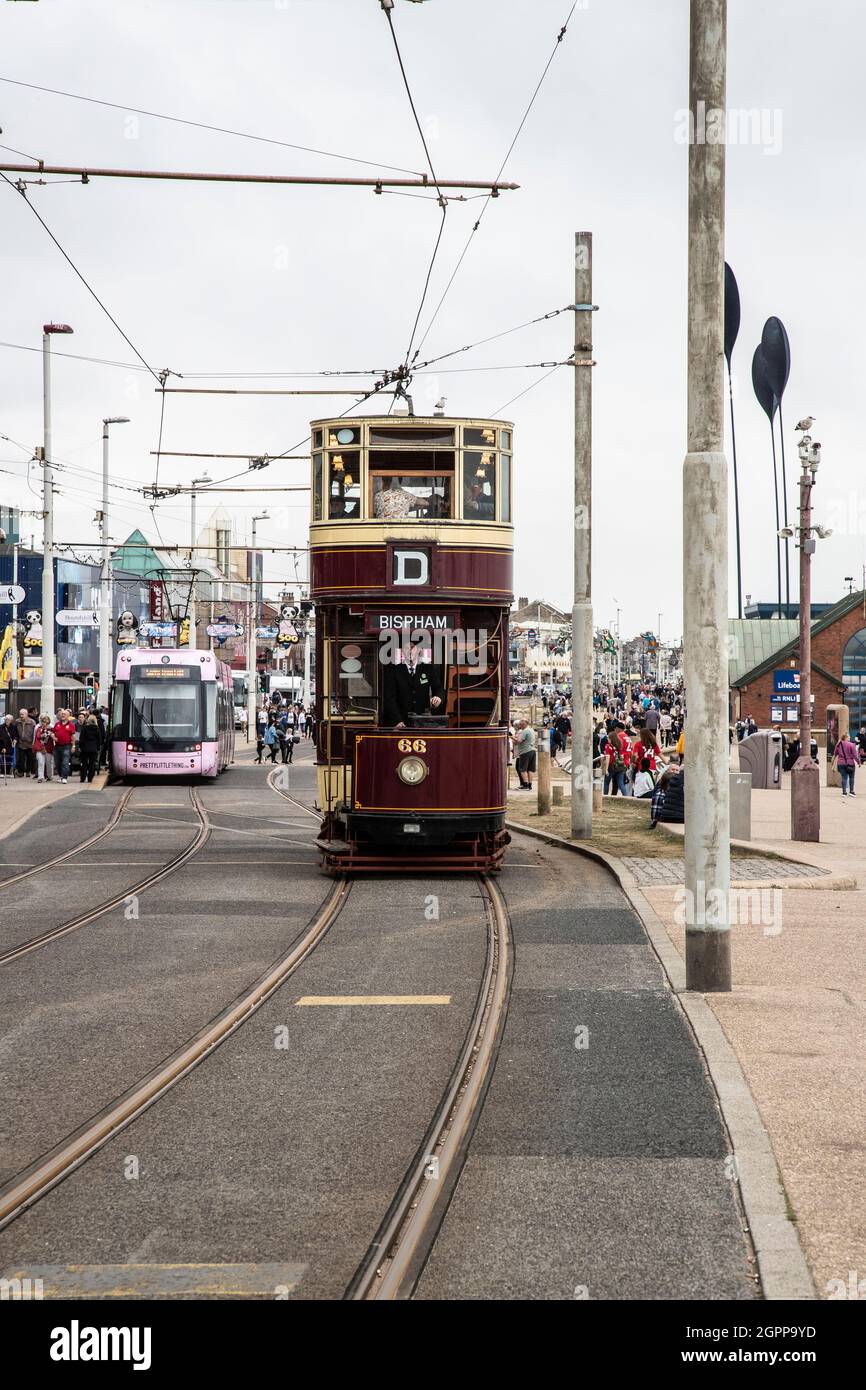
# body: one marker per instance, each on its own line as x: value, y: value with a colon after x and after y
x: 805, y: 424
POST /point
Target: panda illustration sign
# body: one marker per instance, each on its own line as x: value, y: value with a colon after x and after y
x: 127, y: 628
x: 33, y: 632
x: 287, y: 633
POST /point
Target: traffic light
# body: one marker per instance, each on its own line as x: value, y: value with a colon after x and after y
x: 90, y: 689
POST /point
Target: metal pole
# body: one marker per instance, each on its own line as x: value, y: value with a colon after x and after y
x: 46, y: 703
x: 736, y: 500
x: 251, y: 646
x: 780, y: 610
x: 13, y: 673
x: 191, y: 614
x: 105, y: 580
x: 785, y: 518
x: 490, y: 186
x: 582, y: 654
x: 705, y: 512
x: 805, y: 775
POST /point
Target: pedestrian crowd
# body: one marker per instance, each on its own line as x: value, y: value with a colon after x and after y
x: 40, y: 746
x: 279, y: 726
x: 639, y: 745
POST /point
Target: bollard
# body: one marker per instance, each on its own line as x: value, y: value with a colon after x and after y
x: 543, y: 747
x: 741, y: 805
x: 558, y: 794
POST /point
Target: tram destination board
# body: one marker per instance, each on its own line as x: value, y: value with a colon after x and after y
x: 177, y: 673
x: 377, y: 621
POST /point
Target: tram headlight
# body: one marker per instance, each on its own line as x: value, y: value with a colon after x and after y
x: 412, y: 771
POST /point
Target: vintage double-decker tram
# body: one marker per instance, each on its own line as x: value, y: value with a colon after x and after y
x: 411, y: 549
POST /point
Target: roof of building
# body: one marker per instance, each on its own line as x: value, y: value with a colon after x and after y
x: 784, y: 650
x: 538, y: 611
x: 755, y: 640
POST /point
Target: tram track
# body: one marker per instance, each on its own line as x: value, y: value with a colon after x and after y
x: 92, y: 840
x: 203, y: 834
x: 52, y: 1168
x: 286, y: 797
x: 399, y: 1251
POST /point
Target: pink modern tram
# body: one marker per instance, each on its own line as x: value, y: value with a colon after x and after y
x: 172, y: 714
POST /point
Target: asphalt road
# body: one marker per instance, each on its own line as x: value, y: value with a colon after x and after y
x: 266, y: 1171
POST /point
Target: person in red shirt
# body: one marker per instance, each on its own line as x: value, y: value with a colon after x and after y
x: 64, y: 733
x: 645, y: 747
x: 617, y: 751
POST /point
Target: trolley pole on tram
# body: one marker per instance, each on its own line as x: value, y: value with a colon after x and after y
x: 582, y: 654
x: 705, y: 519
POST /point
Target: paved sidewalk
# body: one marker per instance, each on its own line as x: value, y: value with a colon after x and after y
x: 652, y: 872
x: 22, y: 797
x: 797, y: 1020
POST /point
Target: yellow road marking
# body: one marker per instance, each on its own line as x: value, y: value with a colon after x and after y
x: 344, y: 999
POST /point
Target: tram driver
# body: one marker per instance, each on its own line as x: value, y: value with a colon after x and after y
x: 413, y: 686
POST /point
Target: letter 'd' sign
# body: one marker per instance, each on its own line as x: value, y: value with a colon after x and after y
x: 411, y: 567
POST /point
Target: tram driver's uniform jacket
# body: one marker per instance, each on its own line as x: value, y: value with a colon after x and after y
x: 410, y: 692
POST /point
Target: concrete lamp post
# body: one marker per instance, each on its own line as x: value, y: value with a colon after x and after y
x: 805, y: 775
x: 105, y: 604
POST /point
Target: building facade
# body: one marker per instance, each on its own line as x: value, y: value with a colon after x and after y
x: 769, y: 689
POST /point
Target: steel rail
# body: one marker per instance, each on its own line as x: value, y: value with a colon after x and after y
x: 202, y: 836
x: 279, y: 791
x: 116, y: 814
x: 27, y: 1187
x: 394, y: 1261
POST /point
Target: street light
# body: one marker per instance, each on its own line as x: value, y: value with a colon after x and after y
x: 251, y: 636
x: 805, y: 776
x: 190, y: 608
x: 105, y: 604
x: 46, y: 703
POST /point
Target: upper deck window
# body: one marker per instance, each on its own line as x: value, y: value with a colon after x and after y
x: 479, y: 439
x: 402, y: 435
x: 317, y: 485
x: 343, y: 437
x: 479, y: 484
x: 422, y: 497
x: 344, y: 483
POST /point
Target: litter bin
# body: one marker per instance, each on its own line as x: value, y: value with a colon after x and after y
x: 761, y: 755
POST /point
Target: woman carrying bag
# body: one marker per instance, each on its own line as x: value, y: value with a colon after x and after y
x: 272, y: 741
x: 43, y: 746
x: 847, y: 756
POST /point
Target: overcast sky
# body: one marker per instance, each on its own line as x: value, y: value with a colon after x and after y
x: 210, y: 278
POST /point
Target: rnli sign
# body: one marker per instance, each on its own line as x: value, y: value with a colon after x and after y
x: 786, y: 682
x: 376, y: 621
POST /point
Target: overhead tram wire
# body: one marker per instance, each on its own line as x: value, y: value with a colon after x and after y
x: 84, y: 282
x: 442, y: 201
x: 559, y: 39
x: 499, y: 409
x: 315, y: 374
x: 202, y: 125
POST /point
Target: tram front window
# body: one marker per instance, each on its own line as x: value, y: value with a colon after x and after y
x: 396, y: 496
x: 163, y: 714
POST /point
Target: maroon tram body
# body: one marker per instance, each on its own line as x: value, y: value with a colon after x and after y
x: 411, y: 550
